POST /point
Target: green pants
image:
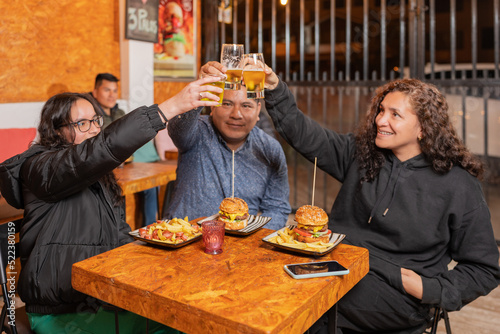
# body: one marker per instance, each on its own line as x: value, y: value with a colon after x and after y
x: 102, y: 322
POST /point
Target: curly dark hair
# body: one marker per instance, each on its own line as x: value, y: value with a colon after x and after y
x: 56, y: 112
x: 439, y: 143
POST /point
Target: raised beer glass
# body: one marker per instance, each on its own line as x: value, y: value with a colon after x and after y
x: 231, y: 56
x: 253, y: 75
x: 219, y: 84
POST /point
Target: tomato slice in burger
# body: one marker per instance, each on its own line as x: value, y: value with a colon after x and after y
x: 302, y: 232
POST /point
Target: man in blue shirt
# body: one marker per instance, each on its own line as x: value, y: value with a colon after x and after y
x: 206, y: 145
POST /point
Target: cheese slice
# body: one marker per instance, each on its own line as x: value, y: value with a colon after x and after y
x: 315, y: 229
x: 232, y: 216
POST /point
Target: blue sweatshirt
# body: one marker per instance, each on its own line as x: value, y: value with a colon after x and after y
x: 205, y: 168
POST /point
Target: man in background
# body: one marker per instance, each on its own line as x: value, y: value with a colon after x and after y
x: 106, y: 93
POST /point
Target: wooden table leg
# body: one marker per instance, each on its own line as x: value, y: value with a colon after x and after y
x: 161, y: 199
x: 130, y: 208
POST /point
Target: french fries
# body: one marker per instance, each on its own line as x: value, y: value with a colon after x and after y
x: 174, y: 231
x: 286, y: 238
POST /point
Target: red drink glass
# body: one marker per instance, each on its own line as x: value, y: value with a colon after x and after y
x: 213, y: 236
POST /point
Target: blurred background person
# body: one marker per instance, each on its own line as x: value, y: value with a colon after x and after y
x: 106, y: 93
x: 165, y: 147
x: 149, y: 197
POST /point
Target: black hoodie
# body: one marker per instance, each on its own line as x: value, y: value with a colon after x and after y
x: 408, y: 216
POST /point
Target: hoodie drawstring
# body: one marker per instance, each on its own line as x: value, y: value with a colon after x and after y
x: 393, y: 193
x: 377, y: 203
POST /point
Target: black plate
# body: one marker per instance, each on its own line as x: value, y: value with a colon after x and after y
x: 255, y: 223
x: 135, y: 234
x: 335, y: 239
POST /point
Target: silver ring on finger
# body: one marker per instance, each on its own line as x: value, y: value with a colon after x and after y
x: 201, y: 96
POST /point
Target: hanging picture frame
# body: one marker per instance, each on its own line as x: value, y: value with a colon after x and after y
x: 175, y: 52
x: 225, y: 11
x: 142, y: 20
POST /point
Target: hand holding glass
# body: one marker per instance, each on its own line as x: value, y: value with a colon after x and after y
x: 231, y: 57
x: 219, y: 84
x: 254, y: 75
x: 213, y: 236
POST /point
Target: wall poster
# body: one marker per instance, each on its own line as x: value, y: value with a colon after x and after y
x: 175, y: 51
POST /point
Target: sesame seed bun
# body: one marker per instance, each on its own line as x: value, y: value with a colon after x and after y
x: 234, y: 205
x: 311, y: 215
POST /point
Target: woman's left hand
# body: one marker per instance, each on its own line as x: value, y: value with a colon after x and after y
x: 412, y: 283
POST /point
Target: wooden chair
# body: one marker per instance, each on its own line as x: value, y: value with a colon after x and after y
x: 171, y: 155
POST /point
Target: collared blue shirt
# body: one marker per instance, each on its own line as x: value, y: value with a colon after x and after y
x: 205, y: 167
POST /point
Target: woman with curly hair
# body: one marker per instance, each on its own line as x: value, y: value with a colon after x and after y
x: 410, y: 194
x: 437, y: 141
x: 73, y: 207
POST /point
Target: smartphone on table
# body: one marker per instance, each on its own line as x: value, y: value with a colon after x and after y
x: 315, y: 269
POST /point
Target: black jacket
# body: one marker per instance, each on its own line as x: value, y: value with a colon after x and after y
x: 68, y: 214
x: 420, y: 220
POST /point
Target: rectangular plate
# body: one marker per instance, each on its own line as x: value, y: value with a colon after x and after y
x: 254, y: 224
x: 135, y: 234
x: 335, y: 239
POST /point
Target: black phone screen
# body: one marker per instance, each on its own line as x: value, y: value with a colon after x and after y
x: 316, y: 267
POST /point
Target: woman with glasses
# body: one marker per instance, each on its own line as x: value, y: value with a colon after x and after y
x: 73, y: 208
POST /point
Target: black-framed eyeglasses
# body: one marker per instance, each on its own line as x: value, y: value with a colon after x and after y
x: 85, y: 124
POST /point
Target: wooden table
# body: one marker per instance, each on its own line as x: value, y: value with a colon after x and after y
x: 242, y: 290
x: 9, y: 213
x: 138, y: 176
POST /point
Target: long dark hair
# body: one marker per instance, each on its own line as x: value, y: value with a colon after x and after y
x: 440, y: 143
x: 55, y: 113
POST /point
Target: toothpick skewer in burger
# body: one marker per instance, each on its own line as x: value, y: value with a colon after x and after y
x: 312, y: 224
x: 234, y: 212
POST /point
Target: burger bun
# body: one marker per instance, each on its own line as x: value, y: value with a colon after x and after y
x: 311, y: 215
x: 233, y: 205
x: 234, y: 224
x: 325, y: 238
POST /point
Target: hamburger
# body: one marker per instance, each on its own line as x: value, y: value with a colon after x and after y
x: 234, y: 212
x: 312, y: 224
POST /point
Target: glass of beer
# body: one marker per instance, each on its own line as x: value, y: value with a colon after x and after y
x: 219, y: 84
x: 253, y: 75
x: 231, y: 56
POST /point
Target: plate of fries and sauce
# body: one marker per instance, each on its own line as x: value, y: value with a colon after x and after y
x: 285, y: 239
x: 168, y: 233
x: 254, y: 224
